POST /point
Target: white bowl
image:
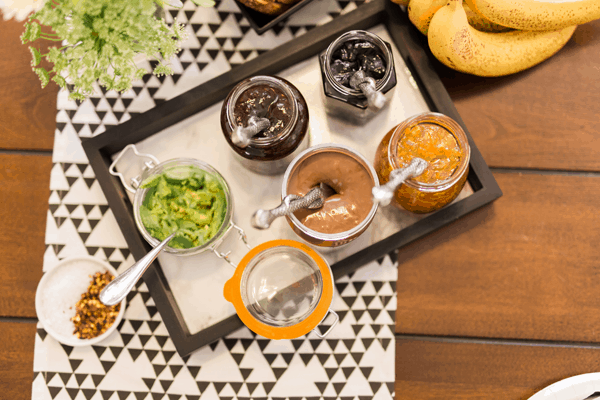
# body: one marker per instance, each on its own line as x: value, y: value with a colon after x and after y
x: 58, y: 292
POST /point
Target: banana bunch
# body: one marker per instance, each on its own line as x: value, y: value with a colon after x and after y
x: 498, y: 37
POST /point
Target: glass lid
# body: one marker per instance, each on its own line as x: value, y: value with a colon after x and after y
x: 281, y: 289
x: 281, y: 286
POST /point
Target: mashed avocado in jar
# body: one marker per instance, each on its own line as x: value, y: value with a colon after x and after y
x: 184, y: 199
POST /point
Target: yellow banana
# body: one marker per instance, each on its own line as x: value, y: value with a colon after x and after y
x: 463, y: 48
x: 481, y: 23
x: 537, y: 15
x: 420, y: 12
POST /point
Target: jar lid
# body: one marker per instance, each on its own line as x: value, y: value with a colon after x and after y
x: 282, y: 289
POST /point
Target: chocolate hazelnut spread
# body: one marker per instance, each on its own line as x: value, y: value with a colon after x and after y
x: 348, y: 177
x: 264, y: 101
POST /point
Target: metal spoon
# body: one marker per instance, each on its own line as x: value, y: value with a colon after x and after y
x: 315, y: 198
x: 242, y: 134
x: 385, y: 193
x: 119, y: 288
x: 367, y: 85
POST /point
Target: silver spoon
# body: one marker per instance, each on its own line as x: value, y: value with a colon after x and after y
x: 315, y: 198
x: 242, y: 134
x: 119, y: 288
x: 385, y: 193
x: 367, y: 85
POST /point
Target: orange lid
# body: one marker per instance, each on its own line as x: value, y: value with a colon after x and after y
x: 282, y: 289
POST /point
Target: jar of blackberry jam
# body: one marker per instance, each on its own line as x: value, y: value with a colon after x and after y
x: 265, y: 121
x: 347, y: 98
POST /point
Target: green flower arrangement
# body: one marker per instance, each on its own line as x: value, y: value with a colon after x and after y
x: 99, y: 40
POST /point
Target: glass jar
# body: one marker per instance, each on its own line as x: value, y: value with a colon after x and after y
x: 153, y: 168
x: 268, y: 155
x: 343, y: 101
x: 282, y: 289
x: 414, y: 195
x: 326, y: 175
x: 169, y: 165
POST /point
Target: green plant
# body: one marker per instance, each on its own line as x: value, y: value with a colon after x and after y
x: 98, y: 40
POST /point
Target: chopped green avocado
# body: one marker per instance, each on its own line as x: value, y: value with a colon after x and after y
x: 184, y: 199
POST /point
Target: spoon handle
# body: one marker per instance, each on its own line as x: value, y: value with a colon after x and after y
x: 360, y: 81
x: 385, y: 193
x: 242, y: 135
x: 262, y: 219
x: 120, y: 287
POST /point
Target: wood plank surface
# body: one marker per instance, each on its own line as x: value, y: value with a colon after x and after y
x: 545, y: 117
x: 427, y: 370
x: 27, y: 112
x: 524, y: 267
x: 24, y: 192
x: 16, y: 359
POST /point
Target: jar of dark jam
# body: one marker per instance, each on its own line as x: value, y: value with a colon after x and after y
x: 353, y: 51
x: 271, y: 150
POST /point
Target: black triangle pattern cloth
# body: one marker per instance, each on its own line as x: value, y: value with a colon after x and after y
x: 139, y: 361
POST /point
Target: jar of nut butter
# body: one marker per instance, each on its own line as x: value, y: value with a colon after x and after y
x: 345, y: 215
x: 265, y: 121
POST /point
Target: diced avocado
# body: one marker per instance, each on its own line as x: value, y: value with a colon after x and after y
x: 162, y: 189
x: 150, y: 182
x: 180, y: 242
x: 196, y: 181
x: 187, y: 225
x: 200, y: 218
x: 178, y: 174
x: 149, y: 196
x: 149, y: 219
x: 187, y: 200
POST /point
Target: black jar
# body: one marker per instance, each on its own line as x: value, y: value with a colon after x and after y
x: 343, y: 101
x: 267, y: 154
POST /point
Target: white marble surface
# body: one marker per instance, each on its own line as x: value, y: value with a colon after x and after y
x: 197, y: 281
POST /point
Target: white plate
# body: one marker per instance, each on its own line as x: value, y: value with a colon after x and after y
x: 58, y: 292
x: 578, y: 387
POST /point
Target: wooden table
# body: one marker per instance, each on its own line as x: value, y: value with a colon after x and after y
x: 500, y: 304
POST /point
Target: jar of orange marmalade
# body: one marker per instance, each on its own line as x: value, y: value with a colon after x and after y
x: 441, y: 142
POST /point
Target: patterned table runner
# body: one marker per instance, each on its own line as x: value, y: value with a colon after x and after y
x: 139, y: 361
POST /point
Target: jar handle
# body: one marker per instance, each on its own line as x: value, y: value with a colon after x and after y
x: 135, y: 182
x: 337, y: 318
x: 384, y: 194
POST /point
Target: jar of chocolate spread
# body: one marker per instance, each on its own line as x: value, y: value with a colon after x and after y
x: 343, y: 216
x: 352, y: 52
x: 277, y: 111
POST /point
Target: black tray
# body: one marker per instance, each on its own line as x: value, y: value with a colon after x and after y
x: 418, y: 59
x: 263, y: 22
